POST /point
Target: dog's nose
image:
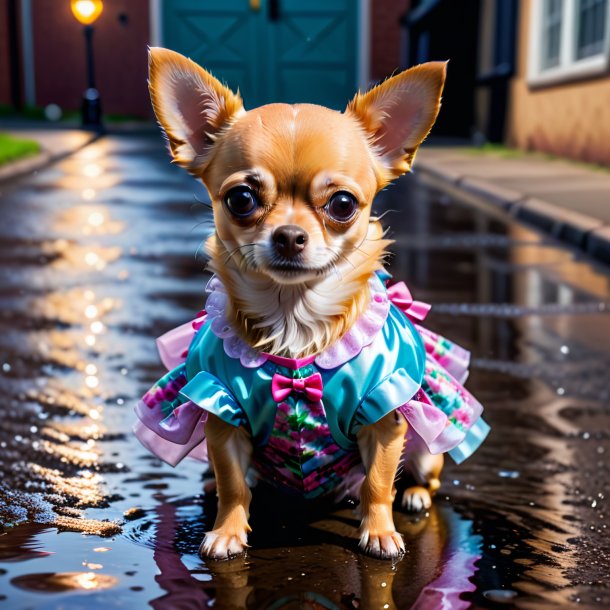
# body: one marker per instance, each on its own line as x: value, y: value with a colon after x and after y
x: 289, y: 240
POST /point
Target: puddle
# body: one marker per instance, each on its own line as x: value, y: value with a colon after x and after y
x: 99, y: 255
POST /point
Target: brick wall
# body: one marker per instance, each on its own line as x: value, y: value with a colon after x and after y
x: 120, y: 52
x: 120, y: 39
x: 386, y: 33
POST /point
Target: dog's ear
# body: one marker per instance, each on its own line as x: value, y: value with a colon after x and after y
x: 191, y: 106
x: 399, y: 113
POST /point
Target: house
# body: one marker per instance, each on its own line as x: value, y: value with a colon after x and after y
x: 559, y: 98
x: 533, y: 74
x: 447, y: 30
x: 287, y: 50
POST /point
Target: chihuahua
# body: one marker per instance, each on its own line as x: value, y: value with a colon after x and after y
x: 294, y: 249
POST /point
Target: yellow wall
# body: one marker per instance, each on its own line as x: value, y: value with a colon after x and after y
x: 571, y: 120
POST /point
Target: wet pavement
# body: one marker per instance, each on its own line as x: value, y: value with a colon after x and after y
x: 100, y: 254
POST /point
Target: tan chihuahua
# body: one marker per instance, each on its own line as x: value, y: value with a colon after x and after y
x: 295, y: 246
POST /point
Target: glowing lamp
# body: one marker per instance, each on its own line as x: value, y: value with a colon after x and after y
x: 86, y: 11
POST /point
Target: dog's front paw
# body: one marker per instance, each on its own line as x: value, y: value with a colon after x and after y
x: 378, y: 536
x: 382, y: 546
x: 416, y: 499
x: 220, y: 545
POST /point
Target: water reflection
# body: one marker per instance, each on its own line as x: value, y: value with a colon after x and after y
x: 519, y: 303
x: 51, y: 582
x: 292, y: 565
x: 21, y: 546
x: 92, y: 268
x: 59, y: 462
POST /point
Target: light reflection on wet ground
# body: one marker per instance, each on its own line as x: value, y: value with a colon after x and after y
x: 97, y: 257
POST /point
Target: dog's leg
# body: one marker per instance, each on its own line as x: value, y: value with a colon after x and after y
x: 426, y: 470
x: 381, y: 446
x: 230, y: 449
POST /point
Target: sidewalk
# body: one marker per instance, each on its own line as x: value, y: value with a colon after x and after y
x: 55, y: 144
x: 567, y: 199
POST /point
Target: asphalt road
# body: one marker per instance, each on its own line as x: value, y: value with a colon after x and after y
x: 100, y: 254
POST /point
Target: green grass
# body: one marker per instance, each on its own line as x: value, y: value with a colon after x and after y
x: 505, y: 152
x: 499, y: 150
x: 12, y: 148
x: 27, y: 112
x: 122, y: 118
x: 36, y: 113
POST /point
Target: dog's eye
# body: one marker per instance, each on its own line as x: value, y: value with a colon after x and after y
x: 241, y: 201
x: 342, y: 206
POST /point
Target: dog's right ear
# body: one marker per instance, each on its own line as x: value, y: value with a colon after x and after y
x: 191, y: 106
x: 399, y: 113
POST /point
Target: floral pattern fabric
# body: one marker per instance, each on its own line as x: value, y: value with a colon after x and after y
x: 300, y: 453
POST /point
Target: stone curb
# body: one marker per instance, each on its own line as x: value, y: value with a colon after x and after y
x: 579, y: 230
x: 28, y: 165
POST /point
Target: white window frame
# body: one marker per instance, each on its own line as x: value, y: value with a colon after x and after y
x: 570, y: 67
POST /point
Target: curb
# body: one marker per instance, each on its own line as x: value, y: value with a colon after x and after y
x: 28, y: 165
x: 578, y: 230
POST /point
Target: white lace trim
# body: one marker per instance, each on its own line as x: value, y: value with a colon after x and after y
x: 362, y: 333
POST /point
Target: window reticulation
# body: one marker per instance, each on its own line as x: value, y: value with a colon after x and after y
x: 569, y: 40
x: 592, y: 26
x: 551, y: 36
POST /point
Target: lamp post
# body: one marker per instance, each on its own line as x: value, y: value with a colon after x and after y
x: 86, y: 12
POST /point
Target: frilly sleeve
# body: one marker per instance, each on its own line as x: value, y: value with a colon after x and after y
x: 173, y: 345
x: 388, y: 395
x: 209, y: 393
x: 172, y: 415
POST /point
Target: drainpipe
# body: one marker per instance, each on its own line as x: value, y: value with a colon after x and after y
x: 16, y: 85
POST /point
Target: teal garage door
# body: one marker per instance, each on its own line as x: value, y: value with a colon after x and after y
x: 273, y: 50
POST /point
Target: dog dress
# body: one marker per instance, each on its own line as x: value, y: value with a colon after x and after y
x: 303, y: 415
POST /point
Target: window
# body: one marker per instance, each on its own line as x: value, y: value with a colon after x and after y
x: 569, y: 39
x: 592, y: 26
x: 551, y: 33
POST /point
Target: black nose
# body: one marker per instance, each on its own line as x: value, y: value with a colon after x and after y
x: 289, y: 240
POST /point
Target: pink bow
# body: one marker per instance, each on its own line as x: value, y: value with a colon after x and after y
x: 401, y: 297
x: 199, y: 321
x: 282, y: 387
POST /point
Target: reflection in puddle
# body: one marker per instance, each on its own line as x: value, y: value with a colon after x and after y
x: 294, y: 566
x: 63, y: 582
x: 21, y: 546
x: 97, y: 257
x: 74, y: 258
x: 51, y: 372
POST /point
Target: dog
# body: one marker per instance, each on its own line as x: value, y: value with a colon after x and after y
x: 294, y: 348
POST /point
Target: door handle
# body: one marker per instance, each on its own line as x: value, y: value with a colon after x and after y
x: 274, y: 10
x: 255, y: 5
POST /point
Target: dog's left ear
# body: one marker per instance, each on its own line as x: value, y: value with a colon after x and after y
x: 191, y: 106
x: 399, y: 113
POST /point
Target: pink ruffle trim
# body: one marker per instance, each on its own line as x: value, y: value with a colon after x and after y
x: 174, y: 437
x: 363, y: 332
x: 173, y: 345
x: 431, y: 425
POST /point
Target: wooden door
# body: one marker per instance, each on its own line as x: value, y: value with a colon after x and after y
x: 272, y: 50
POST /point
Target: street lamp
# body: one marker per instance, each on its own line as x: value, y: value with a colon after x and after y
x: 86, y: 12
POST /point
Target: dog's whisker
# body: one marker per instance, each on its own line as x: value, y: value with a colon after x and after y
x: 238, y: 249
x: 336, y: 270
x: 207, y: 222
x: 207, y: 204
x: 358, y: 248
x: 340, y: 254
x: 200, y: 249
x: 381, y: 216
